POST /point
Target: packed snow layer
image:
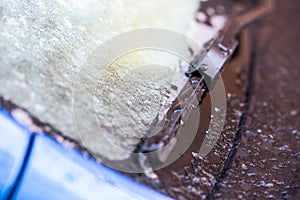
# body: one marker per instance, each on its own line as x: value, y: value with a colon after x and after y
x: 44, y: 45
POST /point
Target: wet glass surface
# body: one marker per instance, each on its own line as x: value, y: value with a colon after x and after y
x: 266, y: 164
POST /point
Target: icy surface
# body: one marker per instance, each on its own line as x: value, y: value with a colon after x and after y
x: 44, y: 44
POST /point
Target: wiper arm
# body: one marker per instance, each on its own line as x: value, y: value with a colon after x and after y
x: 203, y: 72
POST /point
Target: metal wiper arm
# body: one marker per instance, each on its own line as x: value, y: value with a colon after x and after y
x: 203, y: 72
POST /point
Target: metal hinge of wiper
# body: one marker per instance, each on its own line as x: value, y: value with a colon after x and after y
x: 219, y: 50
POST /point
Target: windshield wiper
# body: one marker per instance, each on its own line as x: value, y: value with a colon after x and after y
x: 203, y: 72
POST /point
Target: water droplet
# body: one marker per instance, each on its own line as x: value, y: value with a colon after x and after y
x: 177, y: 111
x: 175, y: 114
x: 284, y: 148
x: 194, y: 82
x: 262, y: 183
x: 191, y: 107
x: 242, y: 104
x: 259, y: 131
x: 296, y: 132
x: 203, y: 67
x: 244, y: 166
x: 294, y: 112
x: 217, y: 109
x: 279, y: 183
x: 196, y: 180
x: 251, y: 174
x: 195, y: 155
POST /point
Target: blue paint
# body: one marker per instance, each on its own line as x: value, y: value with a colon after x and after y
x: 54, y: 171
x: 14, y: 143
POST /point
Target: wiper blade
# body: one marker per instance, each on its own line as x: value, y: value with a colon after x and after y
x: 203, y: 72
